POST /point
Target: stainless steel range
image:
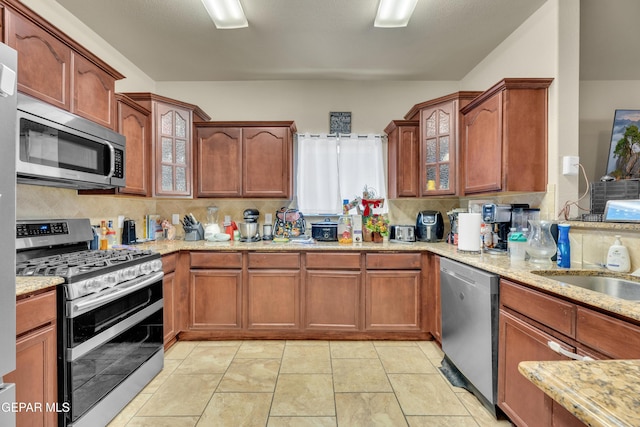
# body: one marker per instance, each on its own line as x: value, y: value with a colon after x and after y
x: 110, y: 320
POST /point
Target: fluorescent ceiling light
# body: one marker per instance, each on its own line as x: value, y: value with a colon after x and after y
x: 226, y: 14
x: 394, y: 13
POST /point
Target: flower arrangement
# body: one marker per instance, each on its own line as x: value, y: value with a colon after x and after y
x: 377, y: 224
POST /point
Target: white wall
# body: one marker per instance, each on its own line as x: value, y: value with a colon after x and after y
x: 546, y: 45
x: 135, y: 79
x: 598, y: 102
x: 308, y: 102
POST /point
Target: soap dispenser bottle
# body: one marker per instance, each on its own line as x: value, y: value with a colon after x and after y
x: 618, y: 257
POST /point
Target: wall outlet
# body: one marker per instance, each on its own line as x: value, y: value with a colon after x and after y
x: 570, y: 165
x: 175, y: 219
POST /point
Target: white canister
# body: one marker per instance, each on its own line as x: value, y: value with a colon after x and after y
x: 469, y: 231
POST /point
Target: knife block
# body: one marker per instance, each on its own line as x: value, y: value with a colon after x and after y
x: 194, y: 233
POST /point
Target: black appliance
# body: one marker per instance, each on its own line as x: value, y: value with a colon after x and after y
x: 129, y: 232
x: 110, y: 317
x: 325, y: 231
x: 429, y: 226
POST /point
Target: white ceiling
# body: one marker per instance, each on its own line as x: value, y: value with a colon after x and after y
x: 335, y: 39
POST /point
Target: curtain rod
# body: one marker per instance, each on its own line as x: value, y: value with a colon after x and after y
x: 338, y: 135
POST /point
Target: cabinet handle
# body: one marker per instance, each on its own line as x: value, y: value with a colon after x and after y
x: 558, y: 349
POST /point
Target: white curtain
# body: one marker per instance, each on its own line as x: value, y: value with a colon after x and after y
x: 317, y: 174
x: 361, y: 164
x: 332, y: 169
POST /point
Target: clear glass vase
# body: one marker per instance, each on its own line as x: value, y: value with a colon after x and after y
x: 541, y: 246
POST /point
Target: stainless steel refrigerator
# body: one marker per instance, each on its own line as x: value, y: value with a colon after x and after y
x: 8, y: 72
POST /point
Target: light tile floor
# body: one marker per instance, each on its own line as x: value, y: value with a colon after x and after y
x: 303, y: 383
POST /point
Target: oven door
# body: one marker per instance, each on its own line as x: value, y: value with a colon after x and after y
x: 113, y: 346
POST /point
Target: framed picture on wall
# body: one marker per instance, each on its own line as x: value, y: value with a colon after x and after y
x: 627, y: 164
x: 339, y: 122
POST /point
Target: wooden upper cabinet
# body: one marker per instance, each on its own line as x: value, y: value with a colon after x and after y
x: 219, y: 162
x: 403, y: 158
x: 423, y: 148
x: 44, y: 62
x: 56, y: 69
x: 504, y: 144
x: 244, y: 159
x: 267, y: 154
x: 134, y: 122
x: 171, y: 142
x: 93, y: 93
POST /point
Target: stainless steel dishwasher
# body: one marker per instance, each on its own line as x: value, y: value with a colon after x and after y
x: 469, y: 299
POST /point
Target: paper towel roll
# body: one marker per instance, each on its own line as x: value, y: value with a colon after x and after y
x: 469, y: 231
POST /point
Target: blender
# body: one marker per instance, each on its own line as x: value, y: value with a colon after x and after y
x: 212, y: 227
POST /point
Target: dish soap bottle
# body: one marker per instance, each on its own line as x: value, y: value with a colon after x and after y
x: 564, y: 247
x: 618, y: 257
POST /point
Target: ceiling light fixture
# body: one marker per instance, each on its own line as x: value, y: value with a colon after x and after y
x: 226, y: 14
x: 394, y: 13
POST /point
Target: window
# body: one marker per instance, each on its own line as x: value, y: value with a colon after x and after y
x: 333, y: 168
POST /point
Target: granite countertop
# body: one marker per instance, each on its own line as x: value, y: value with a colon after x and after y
x: 599, y: 393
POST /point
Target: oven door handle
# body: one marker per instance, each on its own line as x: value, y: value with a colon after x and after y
x: 81, y: 307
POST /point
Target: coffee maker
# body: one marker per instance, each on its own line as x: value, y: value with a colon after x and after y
x: 498, y: 217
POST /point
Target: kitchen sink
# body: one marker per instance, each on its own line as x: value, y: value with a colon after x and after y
x: 613, y: 286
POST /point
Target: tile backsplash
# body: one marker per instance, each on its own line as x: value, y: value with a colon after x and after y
x: 589, y: 246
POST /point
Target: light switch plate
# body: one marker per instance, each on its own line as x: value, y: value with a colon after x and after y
x: 7, y: 81
x: 570, y: 165
x: 175, y: 219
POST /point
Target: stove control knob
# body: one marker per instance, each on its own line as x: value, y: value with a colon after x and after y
x: 157, y: 265
x: 146, y: 268
x: 111, y: 279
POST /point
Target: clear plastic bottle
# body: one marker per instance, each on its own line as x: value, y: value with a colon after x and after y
x: 111, y: 235
x: 104, y: 244
x: 345, y: 229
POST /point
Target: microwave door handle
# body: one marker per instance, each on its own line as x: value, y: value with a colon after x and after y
x: 112, y: 152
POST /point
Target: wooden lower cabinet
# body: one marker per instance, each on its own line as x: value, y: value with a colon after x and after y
x: 273, y: 299
x: 523, y: 402
x: 392, y: 300
x: 169, y: 294
x: 332, y: 300
x: 433, y: 309
x: 215, y: 299
x: 36, y: 359
x: 304, y: 295
x: 528, y: 321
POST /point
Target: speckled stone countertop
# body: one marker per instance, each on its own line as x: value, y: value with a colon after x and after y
x: 599, y: 393
x: 29, y: 285
x: 500, y: 264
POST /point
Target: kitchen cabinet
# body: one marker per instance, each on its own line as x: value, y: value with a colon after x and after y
x: 171, y: 143
x: 56, y: 69
x: 504, y: 138
x: 332, y: 291
x: 245, y: 159
x: 439, y: 133
x: 170, y: 296
x: 431, y: 276
x: 273, y: 290
x: 215, y: 291
x: 36, y: 368
x: 403, y: 163
x: 134, y: 122
x: 304, y: 295
x: 393, y: 299
x: 528, y: 321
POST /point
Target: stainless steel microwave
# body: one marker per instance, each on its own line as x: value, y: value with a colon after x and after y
x: 57, y: 148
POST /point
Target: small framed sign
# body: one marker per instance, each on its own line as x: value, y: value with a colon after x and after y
x: 339, y: 122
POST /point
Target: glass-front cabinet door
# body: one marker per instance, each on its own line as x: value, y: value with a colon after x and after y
x: 173, y: 152
x: 438, y: 169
